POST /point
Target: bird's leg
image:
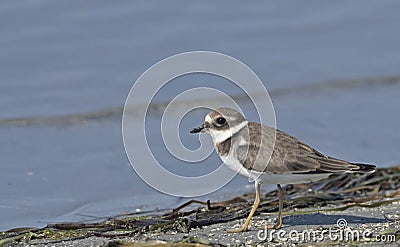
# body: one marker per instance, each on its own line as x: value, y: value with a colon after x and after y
x: 245, y: 226
x: 279, y: 223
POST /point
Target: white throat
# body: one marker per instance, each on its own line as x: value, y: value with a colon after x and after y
x: 222, y: 135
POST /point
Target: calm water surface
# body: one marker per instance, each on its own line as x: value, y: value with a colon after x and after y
x: 332, y: 69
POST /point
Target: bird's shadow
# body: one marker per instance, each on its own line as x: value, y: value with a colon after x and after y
x: 328, y: 219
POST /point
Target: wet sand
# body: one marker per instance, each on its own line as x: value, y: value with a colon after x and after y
x: 345, y: 209
x: 375, y: 226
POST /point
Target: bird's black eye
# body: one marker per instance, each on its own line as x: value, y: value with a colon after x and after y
x: 221, y: 121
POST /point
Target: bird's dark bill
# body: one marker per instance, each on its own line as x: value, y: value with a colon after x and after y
x: 198, y: 129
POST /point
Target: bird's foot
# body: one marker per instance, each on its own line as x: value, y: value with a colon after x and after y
x: 276, y: 226
x: 236, y: 230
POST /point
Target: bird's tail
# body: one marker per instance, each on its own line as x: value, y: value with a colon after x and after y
x: 364, y: 167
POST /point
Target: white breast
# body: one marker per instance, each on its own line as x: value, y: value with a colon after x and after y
x: 233, y: 163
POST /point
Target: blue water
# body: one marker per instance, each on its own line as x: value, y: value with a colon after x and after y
x: 332, y: 69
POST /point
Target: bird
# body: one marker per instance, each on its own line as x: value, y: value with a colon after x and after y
x: 268, y: 156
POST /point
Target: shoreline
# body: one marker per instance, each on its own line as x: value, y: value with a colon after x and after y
x: 364, y: 206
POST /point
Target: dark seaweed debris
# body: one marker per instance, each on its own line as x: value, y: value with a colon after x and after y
x: 338, y: 193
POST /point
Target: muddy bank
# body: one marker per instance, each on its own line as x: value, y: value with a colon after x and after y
x: 343, y: 209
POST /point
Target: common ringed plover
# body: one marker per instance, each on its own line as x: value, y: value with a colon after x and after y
x: 268, y: 156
